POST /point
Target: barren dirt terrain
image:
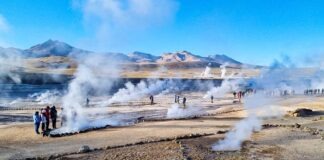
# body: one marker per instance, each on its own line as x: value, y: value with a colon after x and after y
x: 158, y: 137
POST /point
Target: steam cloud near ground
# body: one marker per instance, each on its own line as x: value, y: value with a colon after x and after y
x: 276, y: 79
x: 94, y: 76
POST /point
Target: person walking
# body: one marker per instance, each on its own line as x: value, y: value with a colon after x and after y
x: 53, y: 116
x: 37, y: 121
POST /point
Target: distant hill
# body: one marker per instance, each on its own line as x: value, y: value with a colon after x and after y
x: 53, y: 48
x: 142, y: 57
x: 57, y: 48
x: 183, y: 56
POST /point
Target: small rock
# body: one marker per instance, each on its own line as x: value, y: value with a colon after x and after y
x: 84, y: 149
x: 297, y: 125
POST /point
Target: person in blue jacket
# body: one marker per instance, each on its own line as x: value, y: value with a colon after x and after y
x: 37, y: 121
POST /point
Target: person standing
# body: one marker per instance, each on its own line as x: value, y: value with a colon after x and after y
x: 184, y: 101
x: 88, y: 102
x: 44, y: 121
x: 239, y: 95
x: 212, y: 99
x: 63, y: 117
x: 53, y: 116
x: 178, y: 99
x: 47, y: 114
x: 152, y: 99
x: 37, y: 121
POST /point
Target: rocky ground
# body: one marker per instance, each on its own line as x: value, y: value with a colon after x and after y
x: 288, y: 137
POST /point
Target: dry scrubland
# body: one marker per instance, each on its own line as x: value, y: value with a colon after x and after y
x: 287, y: 137
x: 64, y: 65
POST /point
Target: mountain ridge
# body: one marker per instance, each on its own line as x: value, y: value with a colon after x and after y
x: 58, y: 48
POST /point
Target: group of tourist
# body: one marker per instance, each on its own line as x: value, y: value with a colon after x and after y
x: 314, y: 91
x: 42, y: 119
x: 177, y: 100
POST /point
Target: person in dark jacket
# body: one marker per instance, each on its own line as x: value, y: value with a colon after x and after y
x: 152, y: 99
x: 37, y: 121
x: 53, y: 116
x: 184, y: 101
x: 212, y: 99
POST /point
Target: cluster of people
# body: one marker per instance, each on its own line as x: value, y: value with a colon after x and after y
x: 314, y: 91
x: 177, y: 100
x: 241, y: 94
x: 42, y: 119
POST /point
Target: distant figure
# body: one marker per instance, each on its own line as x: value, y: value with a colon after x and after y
x: 63, y: 118
x: 239, y: 95
x: 175, y: 98
x: 152, y: 99
x: 184, y: 101
x: 212, y: 99
x: 88, y: 101
x: 53, y: 116
x: 47, y: 114
x: 234, y: 94
x: 74, y: 116
x: 178, y: 99
x: 44, y: 121
x: 37, y: 121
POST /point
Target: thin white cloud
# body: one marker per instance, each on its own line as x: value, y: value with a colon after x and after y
x: 4, y: 27
x: 117, y: 20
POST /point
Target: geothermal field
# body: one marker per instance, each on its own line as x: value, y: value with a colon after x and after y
x: 273, y: 114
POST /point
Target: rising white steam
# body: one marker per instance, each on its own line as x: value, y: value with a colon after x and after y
x: 207, y: 72
x: 10, y: 65
x: 228, y: 85
x: 94, y: 76
x: 47, y: 97
x: 140, y: 90
x: 179, y: 111
x: 150, y: 87
x: 277, y: 79
x: 223, y: 70
x: 258, y: 107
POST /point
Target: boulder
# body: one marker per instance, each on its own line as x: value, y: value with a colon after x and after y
x: 84, y: 149
x: 302, y: 112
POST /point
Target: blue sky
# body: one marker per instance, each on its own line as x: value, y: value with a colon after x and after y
x: 252, y: 31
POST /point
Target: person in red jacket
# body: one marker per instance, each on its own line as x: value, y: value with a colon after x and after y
x: 47, y: 115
